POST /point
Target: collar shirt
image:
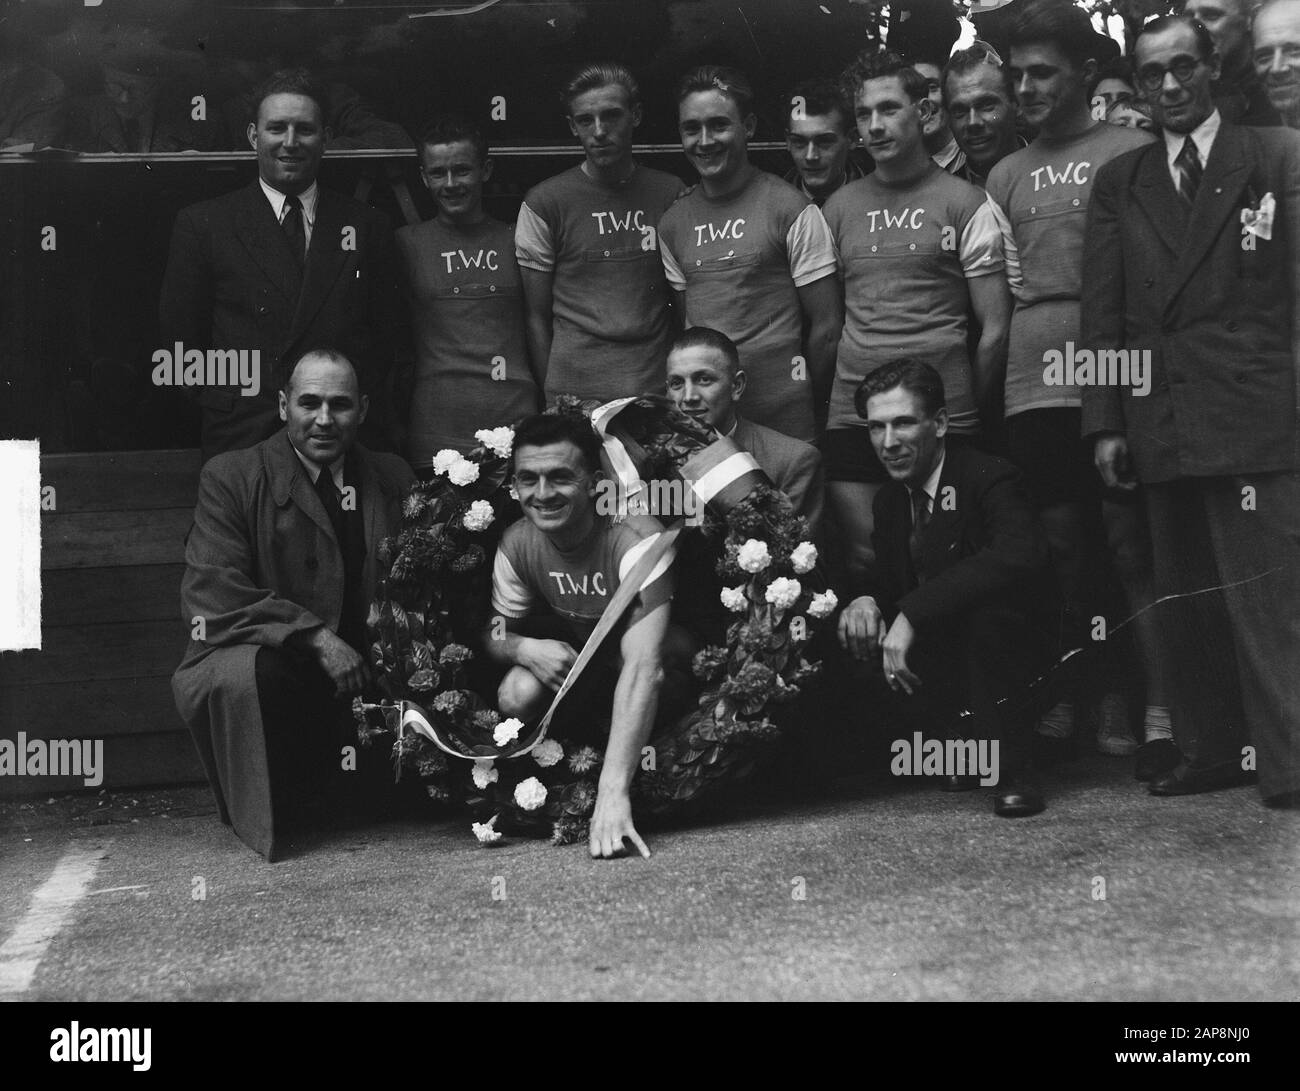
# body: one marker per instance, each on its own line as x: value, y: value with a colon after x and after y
x: 307, y: 197
x: 1202, y: 136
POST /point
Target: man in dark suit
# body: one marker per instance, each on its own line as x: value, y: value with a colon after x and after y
x: 705, y: 380
x: 963, y: 591
x: 280, y: 568
x: 276, y: 267
x: 1192, y: 284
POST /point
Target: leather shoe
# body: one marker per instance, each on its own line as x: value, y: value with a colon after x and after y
x: 954, y: 782
x: 1156, y: 757
x: 1187, y: 781
x: 1018, y: 797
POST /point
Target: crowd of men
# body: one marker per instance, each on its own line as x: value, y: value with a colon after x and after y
x: 1018, y: 335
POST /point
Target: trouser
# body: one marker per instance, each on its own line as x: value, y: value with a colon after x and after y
x: 307, y: 730
x: 1234, y: 652
x: 977, y: 672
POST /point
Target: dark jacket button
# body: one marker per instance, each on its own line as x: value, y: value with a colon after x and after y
x: 1230, y: 326
x: 312, y: 564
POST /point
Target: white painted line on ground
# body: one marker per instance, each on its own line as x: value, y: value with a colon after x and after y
x: 50, y: 909
x: 115, y: 889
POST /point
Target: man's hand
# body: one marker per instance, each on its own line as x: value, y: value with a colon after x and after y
x: 611, y: 822
x: 548, y: 660
x: 1110, y: 455
x: 861, y: 628
x: 338, y: 659
x: 898, y: 642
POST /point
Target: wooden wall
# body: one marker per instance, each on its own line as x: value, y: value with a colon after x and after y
x: 112, y: 554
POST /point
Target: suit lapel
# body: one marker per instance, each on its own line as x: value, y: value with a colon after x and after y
x: 1217, y: 199
x: 326, y: 259
x: 944, y: 524
x: 289, y: 482
x: 261, y: 236
x: 1155, y: 194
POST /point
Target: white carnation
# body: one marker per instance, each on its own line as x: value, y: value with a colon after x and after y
x: 548, y: 753
x: 485, y: 832
x: 530, y: 794
x: 445, y: 459
x: 733, y: 598
x: 499, y: 441
x: 803, y: 557
x: 823, y: 605
x: 753, y: 556
x: 507, y: 731
x: 479, y: 516
x: 783, y: 593
x: 484, y: 774
x: 463, y: 472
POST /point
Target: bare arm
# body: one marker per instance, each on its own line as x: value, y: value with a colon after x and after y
x: 822, y: 303
x: 538, y: 299
x: 636, y: 699
x: 991, y: 301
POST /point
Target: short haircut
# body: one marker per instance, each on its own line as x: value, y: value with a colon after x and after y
x: 731, y: 82
x: 1061, y: 24
x: 875, y: 66
x: 324, y: 352
x: 590, y: 77
x: 543, y: 429
x: 291, y: 81
x: 821, y: 96
x: 973, y: 59
x: 913, y: 376
x: 706, y: 337
x: 1120, y: 68
x: 451, y: 129
x: 1204, y: 41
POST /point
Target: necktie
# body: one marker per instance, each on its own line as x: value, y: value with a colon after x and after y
x: 352, y: 548
x: 294, y: 230
x: 920, y: 517
x: 1189, y: 169
x: 333, y: 501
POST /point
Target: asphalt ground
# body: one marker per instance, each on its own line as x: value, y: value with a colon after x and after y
x: 881, y: 889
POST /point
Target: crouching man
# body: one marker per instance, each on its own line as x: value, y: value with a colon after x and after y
x: 555, y: 573
x: 280, y: 567
x: 963, y: 579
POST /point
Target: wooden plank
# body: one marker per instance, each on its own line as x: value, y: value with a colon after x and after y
x: 129, y: 761
x: 99, y: 709
x: 90, y: 596
x: 80, y: 653
x: 122, y: 480
x: 100, y: 539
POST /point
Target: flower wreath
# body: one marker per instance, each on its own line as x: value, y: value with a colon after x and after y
x: 433, y: 604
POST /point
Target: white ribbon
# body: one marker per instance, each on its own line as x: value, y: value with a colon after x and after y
x: 625, y: 471
x: 713, y: 481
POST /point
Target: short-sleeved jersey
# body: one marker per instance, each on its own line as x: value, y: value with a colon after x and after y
x: 905, y: 254
x: 740, y: 259
x: 531, y: 572
x: 1041, y: 193
x: 471, y: 359
x: 610, y: 304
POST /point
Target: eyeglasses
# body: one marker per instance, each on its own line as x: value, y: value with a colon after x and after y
x: 1151, y: 77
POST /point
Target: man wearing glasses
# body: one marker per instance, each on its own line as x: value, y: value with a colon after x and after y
x: 553, y: 577
x: 1191, y: 256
